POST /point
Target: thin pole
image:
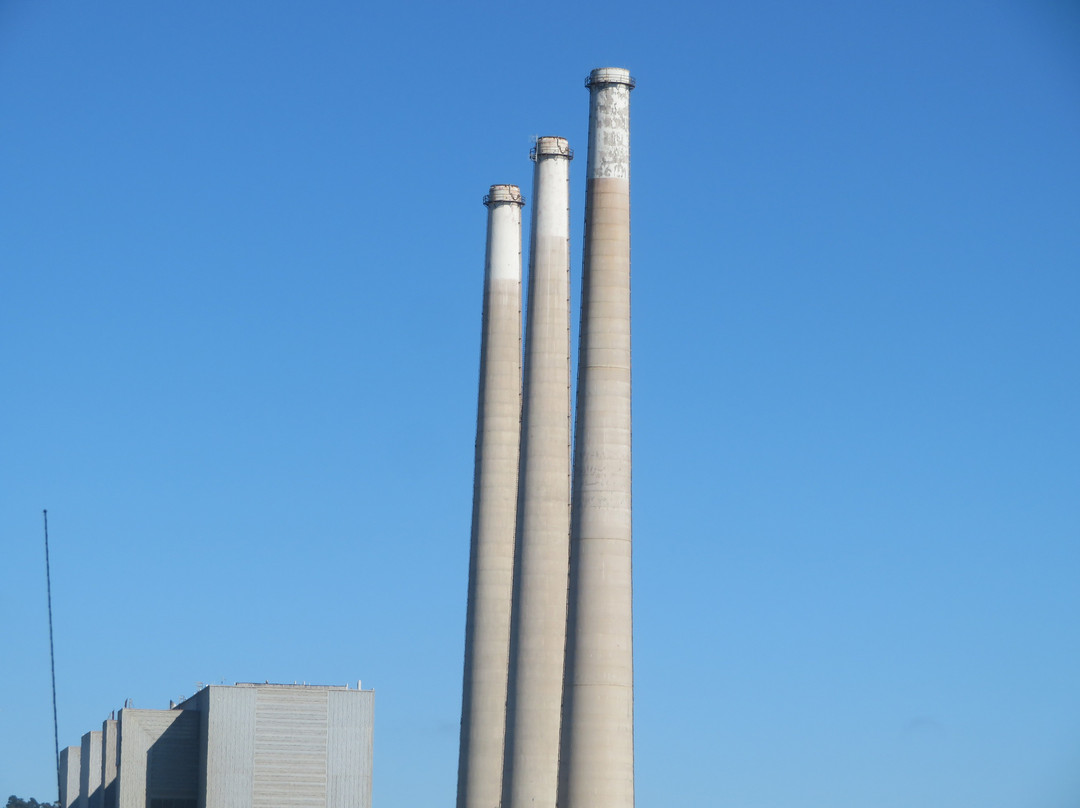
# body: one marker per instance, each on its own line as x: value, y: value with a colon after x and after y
x: 52, y: 657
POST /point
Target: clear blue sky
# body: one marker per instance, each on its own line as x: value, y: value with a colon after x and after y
x: 241, y: 248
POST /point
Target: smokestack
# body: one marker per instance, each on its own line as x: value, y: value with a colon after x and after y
x: 491, y: 557
x: 597, y: 756
x: 538, y: 635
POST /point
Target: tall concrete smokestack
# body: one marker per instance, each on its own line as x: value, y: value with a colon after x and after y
x: 597, y: 756
x: 491, y: 558
x: 538, y: 635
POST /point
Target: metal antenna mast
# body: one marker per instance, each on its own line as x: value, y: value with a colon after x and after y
x: 52, y: 655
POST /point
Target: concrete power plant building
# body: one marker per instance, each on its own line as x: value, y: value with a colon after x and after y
x: 564, y: 667
x: 242, y: 746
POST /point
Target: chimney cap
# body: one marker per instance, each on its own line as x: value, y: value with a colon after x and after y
x: 610, y: 75
x: 551, y: 146
x: 504, y: 193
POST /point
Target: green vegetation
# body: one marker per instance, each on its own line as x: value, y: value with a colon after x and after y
x: 16, y: 802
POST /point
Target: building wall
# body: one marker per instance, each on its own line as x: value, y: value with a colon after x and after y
x: 227, y: 715
x: 350, y: 748
x: 90, y: 771
x: 264, y: 746
x: 70, y: 779
x: 159, y: 757
x: 110, y: 733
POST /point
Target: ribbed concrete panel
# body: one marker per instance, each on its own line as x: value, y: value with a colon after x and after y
x: 597, y: 756
x: 109, y: 750
x: 90, y: 773
x: 541, y: 551
x: 290, y: 748
x: 228, y: 740
x: 69, y: 776
x: 350, y: 748
x: 159, y: 756
x: 491, y: 557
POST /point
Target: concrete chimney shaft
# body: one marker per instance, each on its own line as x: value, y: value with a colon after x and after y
x: 538, y: 634
x: 597, y: 755
x: 491, y: 558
